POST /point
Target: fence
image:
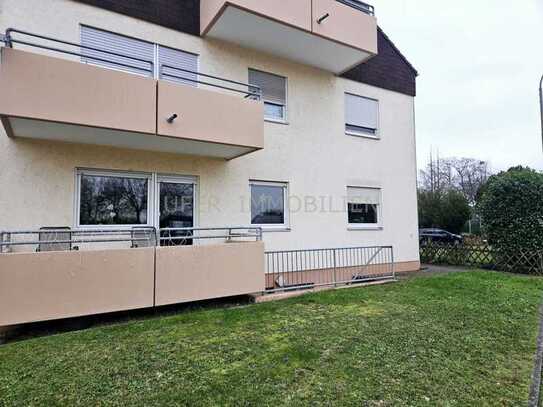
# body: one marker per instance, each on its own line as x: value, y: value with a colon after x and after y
x: 299, y: 269
x: 522, y: 261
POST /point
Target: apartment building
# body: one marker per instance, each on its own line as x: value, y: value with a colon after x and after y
x: 288, y: 122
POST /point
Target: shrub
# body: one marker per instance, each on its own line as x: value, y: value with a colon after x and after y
x: 511, y: 207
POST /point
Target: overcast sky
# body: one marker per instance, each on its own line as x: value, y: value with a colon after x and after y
x: 479, y: 62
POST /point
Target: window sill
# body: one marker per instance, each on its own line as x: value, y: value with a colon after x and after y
x: 368, y: 136
x: 277, y: 121
x: 358, y: 228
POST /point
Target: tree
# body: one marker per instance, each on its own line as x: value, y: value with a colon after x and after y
x: 465, y: 175
x: 456, y: 211
x: 511, y: 205
x: 448, y: 210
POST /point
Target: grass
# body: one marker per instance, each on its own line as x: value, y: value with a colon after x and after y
x: 454, y: 339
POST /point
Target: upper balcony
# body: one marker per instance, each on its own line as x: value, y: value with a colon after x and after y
x: 334, y: 35
x: 46, y: 97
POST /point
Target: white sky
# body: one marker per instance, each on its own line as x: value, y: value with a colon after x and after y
x: 479, y: 63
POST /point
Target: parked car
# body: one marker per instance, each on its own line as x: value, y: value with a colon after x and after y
x: 438, y: 236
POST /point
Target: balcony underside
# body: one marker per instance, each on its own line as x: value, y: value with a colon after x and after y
x: 53, y: 131
x: 343, y: 40
x: 285, y: 41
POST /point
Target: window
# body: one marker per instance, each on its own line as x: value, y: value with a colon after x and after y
x: 169, y: 58
x: 269, y: 204
x: 361, y: 116
x: 364, y: 206
x: 113, y: 199
x: 274, y: 94
x: 125, y: 199
x: 163, y: 59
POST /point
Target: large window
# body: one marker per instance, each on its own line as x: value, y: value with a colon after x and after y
x: 274, y: 94
x: 363, y: 207
x: 126, y: 199
x: 113, y: 199
x: 361, y: 116
x: 269, y: 204
x: 164, y: 59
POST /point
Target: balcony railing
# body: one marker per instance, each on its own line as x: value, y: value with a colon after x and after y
x: 183, y: 75
x: 68, y: 239
x: 56, y: 273
x: 359, y: 5
x: 307, y: 269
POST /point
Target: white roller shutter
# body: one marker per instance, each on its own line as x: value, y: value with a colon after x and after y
x: 360, y: 195
x: 361, y: 112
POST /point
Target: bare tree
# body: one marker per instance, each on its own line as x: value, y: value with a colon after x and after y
x: 470, y: 175
x: 465, y: 175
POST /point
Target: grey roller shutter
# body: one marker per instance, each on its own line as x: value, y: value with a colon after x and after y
x: 169, y: 57
x: 119, y: 44
x: 274, y: 89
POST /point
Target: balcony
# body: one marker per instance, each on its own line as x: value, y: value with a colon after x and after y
x: 58, y: 99
x: 56, y: 273
x: 334, y: 35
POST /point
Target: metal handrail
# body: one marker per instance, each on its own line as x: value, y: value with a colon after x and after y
x: 329, y: 248
x: 9, y: 41
x: 153, y: 238
x: 252, y: 90
x: 251, y: 232
x: 360, y: 5
x: 81, y: 233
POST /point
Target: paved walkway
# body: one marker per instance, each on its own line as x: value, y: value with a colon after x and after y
x: 430, y: 269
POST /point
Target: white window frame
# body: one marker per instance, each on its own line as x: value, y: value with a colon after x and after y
x: 153, y: 195
x: 285, y: 226
x: 120, y: 174
x: 365, y: 226
x: 156, y: 46
x: 284, y: 119
x: 374, y: 136
x: 176, y: 179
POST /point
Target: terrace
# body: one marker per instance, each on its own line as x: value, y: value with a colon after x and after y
x: 56, y: 273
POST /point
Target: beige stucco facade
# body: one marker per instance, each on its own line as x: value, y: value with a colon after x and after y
x: 311, y: 152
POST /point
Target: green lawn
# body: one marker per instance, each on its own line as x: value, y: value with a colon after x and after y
x: 451, y: 339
